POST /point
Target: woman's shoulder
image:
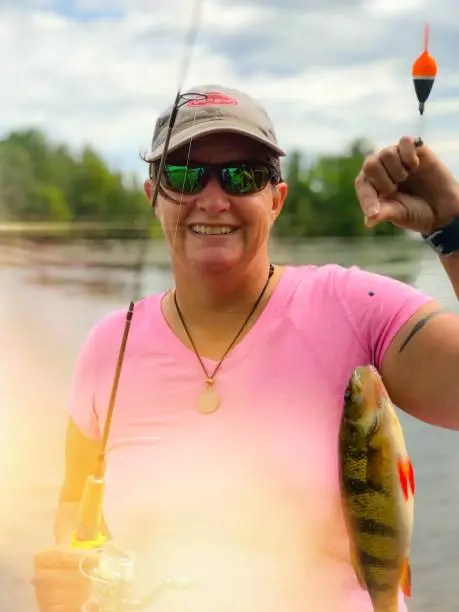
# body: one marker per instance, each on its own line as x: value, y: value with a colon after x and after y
x: 350, y: 289
x: 109, y: 328
x: 320, y: 276
x: 337, y: 276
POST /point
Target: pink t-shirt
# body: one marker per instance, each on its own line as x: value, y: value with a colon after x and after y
x: 244, y: 502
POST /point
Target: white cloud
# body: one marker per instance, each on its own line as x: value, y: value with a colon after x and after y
x: 393, y: 7
x: 104, y: 81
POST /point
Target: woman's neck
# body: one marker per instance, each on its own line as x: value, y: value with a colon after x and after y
x: 214, y: 312
x: 221, y: 295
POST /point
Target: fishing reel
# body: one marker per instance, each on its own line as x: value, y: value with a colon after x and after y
x: 112, y: 581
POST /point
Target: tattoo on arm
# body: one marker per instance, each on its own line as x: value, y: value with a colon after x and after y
x: 419, y: 325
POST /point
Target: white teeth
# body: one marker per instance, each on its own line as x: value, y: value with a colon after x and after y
x: 205, y: 229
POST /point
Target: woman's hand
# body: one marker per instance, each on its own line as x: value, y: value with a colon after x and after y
x: 59, y: 584
x: 409, y: 186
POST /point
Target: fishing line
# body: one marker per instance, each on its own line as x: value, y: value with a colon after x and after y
x: 87, y: 534
x: 190, y: 42
x: 180, y: 100
x: 422, y: 117
x: 189, y: 46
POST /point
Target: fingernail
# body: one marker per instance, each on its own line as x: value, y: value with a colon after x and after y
x: 370, y: 222
x: 373, y: 211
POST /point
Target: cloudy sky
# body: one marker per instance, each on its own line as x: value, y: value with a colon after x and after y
x: 328, y: 71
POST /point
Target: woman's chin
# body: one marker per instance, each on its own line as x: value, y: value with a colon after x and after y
x: 215, y: 262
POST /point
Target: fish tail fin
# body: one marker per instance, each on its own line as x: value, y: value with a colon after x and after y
x: 405, y: 583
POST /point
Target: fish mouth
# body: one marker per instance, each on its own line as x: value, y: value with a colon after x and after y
x: 362, y: 430
x: 375, y: 425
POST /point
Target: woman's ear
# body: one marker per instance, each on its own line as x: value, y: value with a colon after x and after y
x: 148, y: 189
x: 280, y: 194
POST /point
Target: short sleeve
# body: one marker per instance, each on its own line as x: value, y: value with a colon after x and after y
x: 81, y: 402
x: 376, y: 307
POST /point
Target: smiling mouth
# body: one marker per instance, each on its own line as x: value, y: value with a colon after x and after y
x: 208, y: 230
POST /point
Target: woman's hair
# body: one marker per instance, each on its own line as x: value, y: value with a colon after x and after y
x: 270, y: 159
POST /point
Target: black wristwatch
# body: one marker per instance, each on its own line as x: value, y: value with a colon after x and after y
x: 445, y: 240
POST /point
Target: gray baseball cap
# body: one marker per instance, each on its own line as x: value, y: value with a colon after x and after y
x: 213, y: 109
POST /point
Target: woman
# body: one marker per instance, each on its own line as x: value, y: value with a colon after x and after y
x: 222, y: 457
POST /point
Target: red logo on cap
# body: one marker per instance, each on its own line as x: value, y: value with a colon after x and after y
x: 213, y: 98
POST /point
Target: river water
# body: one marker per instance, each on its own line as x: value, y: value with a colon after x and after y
x: 49, y: 298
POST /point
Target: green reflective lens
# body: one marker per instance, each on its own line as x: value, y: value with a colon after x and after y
x: 245, y: 179
x: 237, y: 179
x: 183, y: 178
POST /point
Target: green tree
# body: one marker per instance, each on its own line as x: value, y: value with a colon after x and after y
x: 17, y: 181
x: 44, y: 180
x: 322, y: 200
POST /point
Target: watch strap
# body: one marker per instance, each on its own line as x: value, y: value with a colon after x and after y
x: 444, y: 240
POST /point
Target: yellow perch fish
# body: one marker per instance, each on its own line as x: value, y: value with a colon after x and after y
x: 377, y: 487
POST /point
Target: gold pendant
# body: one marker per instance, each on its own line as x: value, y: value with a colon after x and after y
x: 208, y: 400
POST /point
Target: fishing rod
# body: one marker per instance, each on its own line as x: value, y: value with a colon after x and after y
x: 112, y: 578
x: 88, y: 533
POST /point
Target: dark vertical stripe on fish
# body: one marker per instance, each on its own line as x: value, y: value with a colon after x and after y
x: 370, y: 561
x: 382, y: 587
x: 373, y: 527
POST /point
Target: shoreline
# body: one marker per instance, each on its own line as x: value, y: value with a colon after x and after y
x: 117, y: 254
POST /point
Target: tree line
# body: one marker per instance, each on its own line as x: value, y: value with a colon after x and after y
x: 41, y: 180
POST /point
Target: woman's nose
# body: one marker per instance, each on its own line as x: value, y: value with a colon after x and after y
x: 212, y: 198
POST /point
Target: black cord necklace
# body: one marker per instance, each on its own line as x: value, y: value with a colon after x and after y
x: 209, y: 400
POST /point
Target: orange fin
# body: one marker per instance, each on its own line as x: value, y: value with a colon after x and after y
x: 402, y: 477
x: 411, y: 479
x: 406, y: 477
x: 405, y: 583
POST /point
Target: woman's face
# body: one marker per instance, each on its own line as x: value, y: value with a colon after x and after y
x: 190, y: 227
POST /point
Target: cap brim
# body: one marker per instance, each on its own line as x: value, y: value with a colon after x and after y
x: 214, y: 127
